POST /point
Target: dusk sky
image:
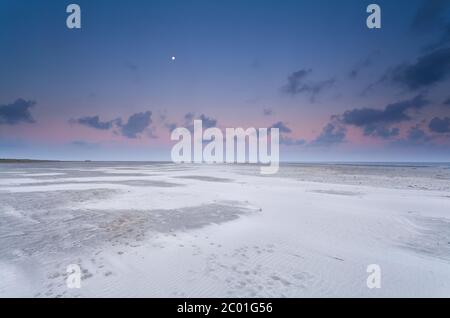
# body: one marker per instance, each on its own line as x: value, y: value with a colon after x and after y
x: 337, y: 90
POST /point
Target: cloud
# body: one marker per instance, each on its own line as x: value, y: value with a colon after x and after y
x: 368, y: 61
x: 373, y: 122
x: 84, y: 144
x: 152, y: 133
x: 440, y: 125
x: 447, y: 102
x: 188, y: 122
x: 256, y: 64
x: 188, y: 117
x: 298, y: 83
x: 382, y: 132
x: 16, y: 112
x: 295, y: 81
x: 134, y: 73
x: 267, y: 112
x: 333, y: 133
x: 443, y: 41
x: 288, y: 141
x: 170, y: 126
x: 282, y: 127
x: 417, y: 135
x: 376, y: 122
x: 135, y: 125
x: 208, y: 122
x: 94, y: 122
x: 252, y: 100
x: 131, y: 66
x: 429, y: 15
x: 357, y: 69
x: 429, y: 69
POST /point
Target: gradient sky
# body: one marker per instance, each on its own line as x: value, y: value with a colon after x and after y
x: 337, y: 90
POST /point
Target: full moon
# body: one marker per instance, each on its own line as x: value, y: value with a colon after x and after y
x: 173, y: 58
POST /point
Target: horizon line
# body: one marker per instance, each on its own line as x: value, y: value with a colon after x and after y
x: 26, y: 160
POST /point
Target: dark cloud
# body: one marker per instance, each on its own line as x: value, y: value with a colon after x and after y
x: 84, y: 144
x: 252, y: 100
x: 371, y: 120
x: 189, y: 117
x: 94, y: 122
x: 170, y: 126
x: 152, y: 133
x: 282, y: 127
x: 417, y: 135
x: 136, y: 124
x: 134, y: 74
x: 131, y: 66
x: 440, y: 125
x: 382, y: 132
x: 447, y: 101
x: 16, y: 112
x: 208, y: 122
x: 429, y: 69
x: 284, y: 130
x: 353, y: 73
x: 379, y: 122
x: 333, y: 133
x: 256, y: 64
x: 289, y: 141
x: 429, y: 15
x: 357, y: 69
x: 368, y: 61
x: 267, y: 112
x: 443, y: 41
x: 296, y: 80
x: 188, y: 122
x: 298, y: 83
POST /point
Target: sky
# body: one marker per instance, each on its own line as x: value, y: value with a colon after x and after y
x: 337, y: 90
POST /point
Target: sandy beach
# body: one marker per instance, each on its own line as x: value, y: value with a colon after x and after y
x: 167, y: 230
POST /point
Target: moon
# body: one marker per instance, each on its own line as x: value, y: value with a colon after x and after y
x: 173, y: 58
